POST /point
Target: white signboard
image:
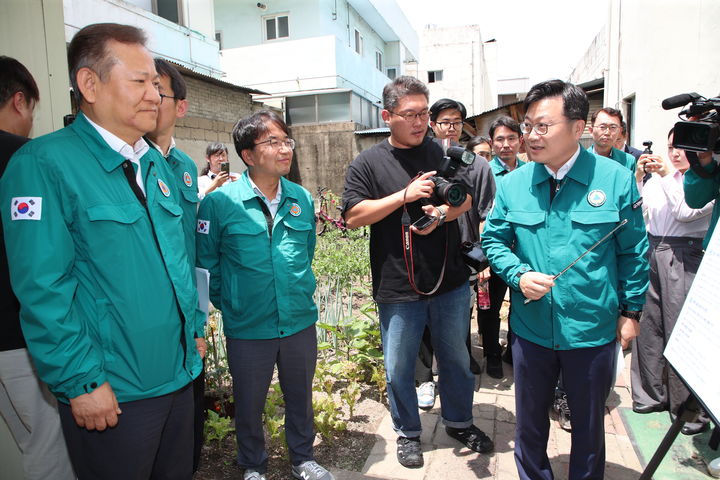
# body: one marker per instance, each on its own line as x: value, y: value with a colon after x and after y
x: 694, y: 346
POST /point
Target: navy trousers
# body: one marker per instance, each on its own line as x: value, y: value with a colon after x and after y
x: 152, y: 440
x: 587, y: 377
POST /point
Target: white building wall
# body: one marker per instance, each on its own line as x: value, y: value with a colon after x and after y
x: 170, y: 40
x: 594, y: 64
x: 656, y: 49
x: 458, y: 52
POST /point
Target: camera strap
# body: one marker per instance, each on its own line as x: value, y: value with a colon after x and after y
x: 408, y: 250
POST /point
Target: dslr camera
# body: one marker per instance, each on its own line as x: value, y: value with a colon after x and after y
x: 446, y: 191
x: 703, y: 134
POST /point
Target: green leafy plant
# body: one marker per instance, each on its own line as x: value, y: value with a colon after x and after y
x: 217, y: 427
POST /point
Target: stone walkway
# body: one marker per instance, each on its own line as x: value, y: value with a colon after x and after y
x: 494, y: 412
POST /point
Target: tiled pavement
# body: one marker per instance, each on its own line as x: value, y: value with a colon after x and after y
x: 494, y: 407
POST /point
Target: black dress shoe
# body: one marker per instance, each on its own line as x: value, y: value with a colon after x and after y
x: 693, y: 428
x: 640, y: 408
x: 493, y: 366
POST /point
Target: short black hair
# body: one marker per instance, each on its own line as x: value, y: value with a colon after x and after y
x: 14, y: 77
x: 575, y: 102
x: 177, y: 82
x: 249, y: 129
x: 445, y: 104
x: 89, y: 49
x: 475, y: 141
x: 215, y: 147
x: 613, y: 112
x: 507, y: 122
x: 402, y: 86
x: 623, y: 127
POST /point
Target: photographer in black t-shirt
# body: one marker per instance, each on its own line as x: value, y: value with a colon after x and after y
x: 420, y: 280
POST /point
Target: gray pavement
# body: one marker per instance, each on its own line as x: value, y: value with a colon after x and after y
x: 494, y: 412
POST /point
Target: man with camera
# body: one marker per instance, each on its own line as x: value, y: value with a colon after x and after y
x: 546, y: 216
x: 419, y: 277
x: 699, y: 190
x: 606, y: 125
x: 446, y: 120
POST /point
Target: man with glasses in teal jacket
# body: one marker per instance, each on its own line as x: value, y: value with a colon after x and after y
x: 546, y: 215
x: 98, y: 262
x: 256, y: 236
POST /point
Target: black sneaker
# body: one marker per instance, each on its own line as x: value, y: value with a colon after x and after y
x: 560, y: 406
x: 409, y: 452
x: 472, y: 437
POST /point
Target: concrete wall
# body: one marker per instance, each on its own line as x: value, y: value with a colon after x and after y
x: 656, y: 49
x: 594, y: 63
x: 458, y: 52
x: 182, y: 45
x: 323, y: 154
x: 32, y: 32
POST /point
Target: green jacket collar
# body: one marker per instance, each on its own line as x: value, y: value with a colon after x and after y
x: 108, y: 158
x: 498, y: 167
x: 247, y: 193
x: 580, y: 172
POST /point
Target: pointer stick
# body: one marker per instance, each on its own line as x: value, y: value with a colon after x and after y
x: 527, y: 300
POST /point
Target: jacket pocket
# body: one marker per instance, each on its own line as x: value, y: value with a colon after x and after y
x: 190, y: 195
x: 294, y: 243
x: 527, y: 219
x: 127, y: 213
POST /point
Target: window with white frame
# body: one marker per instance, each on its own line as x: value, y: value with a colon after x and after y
x: 169, y: 10
x: 435, y: 76
x: 392, y: 73
x: 358, y: 43
x: 378, y: 60
x: 276, y: 27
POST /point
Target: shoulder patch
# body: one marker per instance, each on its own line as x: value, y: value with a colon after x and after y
x: 203, y: 226
x: 187, y: 179
x: 637, y: 204
x: 295, y: 210
x: 163, y: 188
x: 26, y: 208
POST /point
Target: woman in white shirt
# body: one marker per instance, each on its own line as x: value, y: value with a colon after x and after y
x: 211, y: 177
x: 675, y: 232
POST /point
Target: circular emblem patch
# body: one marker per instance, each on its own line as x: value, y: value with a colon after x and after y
x: 596, y: 198
x: 187, y: 179
x: 163, y: 188
x: 295, y: 210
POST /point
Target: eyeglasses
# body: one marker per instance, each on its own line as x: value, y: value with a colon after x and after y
x: 605, y: 127
x: 484, y: 154
x: 410, y: 117
x: 276, y: 143
x: 447, y: 125
x: 163, y: 97
x: 539, y: 128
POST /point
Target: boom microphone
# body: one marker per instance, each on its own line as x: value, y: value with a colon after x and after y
x: 679, y: 100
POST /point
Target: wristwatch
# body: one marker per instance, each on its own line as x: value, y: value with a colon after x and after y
x: 632, y: 314
x: 443, y: 214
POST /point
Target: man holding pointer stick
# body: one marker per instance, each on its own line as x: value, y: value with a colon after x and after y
x: 550, y: 215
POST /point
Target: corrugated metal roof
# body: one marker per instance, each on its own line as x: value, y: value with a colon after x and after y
x: 183, y: 69
x: 373, y: 131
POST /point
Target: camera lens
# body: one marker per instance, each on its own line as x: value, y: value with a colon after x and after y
x: 452, y: 194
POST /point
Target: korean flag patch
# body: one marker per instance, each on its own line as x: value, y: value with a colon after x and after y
x: 26, y: 208
x: 203, y: 226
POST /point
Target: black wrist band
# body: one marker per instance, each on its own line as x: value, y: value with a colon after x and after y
x: 635, y: 315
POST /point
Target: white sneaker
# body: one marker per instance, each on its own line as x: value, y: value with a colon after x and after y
x: 310, y: 470
x: 251, y: 474
x: 426, y: 395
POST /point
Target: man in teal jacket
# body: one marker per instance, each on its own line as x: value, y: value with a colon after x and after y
x: 545, y: 216
x: 606, y: 125
x: 256, y: 236
x: 174, y: 105
x: 98, y: 262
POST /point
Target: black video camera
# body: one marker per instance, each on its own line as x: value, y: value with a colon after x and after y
x: 703, y: 134
x: 446, y: 191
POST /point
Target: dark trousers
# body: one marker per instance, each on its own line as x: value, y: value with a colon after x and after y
x: 199, y: 420
x: 251, y: 365
x: 587, y: 378
x: 674, y: 261
x: 489, y: 320
x: 152, y: 440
